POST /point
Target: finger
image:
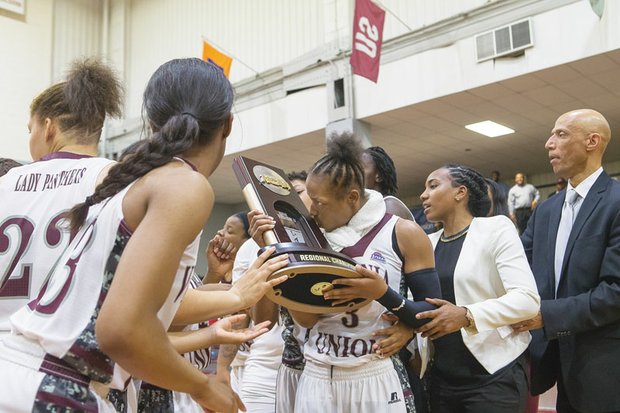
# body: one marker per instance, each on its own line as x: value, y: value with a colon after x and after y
x: 275, y: 281
x: 334, y: 294
x: 234, y: 319
x: 275, y: 264
x: 388, y: 331
x: 427, y: 314
x: 345, y: 281
x: 391, y: 349
x: 264, y: 324
x: 365, y: 272
x: 389, y: 317
x: 240, y: 404
x: 251, y: 335
x: 388, y: 341
x: 432, y: 331
x: 437, y: 301
x: 260, y: 260
x: 438, y: 334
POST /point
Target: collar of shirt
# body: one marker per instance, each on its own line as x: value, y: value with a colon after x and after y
x: 584, y: 187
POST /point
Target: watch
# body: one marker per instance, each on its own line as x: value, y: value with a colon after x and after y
x: 470, y: 318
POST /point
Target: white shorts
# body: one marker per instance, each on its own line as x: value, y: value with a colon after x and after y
x: 20, y: 379
x: 236, y: 378
x: 372, y: 387
x: 286, y: 388
x: 183, y: 403
x: 258, y: 391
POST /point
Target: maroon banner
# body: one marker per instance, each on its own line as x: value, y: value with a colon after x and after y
x: 367, y: 38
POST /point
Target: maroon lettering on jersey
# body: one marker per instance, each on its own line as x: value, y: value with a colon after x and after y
x: 27, y: 183
x: 339, y: 346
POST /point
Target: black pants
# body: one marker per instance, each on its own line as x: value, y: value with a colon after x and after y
x: 523, y: 215
x: 507, y: 394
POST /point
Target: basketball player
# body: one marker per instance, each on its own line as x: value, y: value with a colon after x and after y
x: 343, y: 372
x: 115, y: 289
x: 380, y: 175
x: 65, y: 126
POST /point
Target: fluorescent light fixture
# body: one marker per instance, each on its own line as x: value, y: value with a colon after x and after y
x: 490, y: 128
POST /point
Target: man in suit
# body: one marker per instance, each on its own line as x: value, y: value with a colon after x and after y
x: 573, y: 244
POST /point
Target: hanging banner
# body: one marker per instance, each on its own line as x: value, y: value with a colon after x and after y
x: 367, y: 38
x: 211, y: 54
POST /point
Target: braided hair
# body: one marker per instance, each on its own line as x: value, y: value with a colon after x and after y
x: 79, y: 105
x: 479, y: 202
x: 342, y: 164
x: 186, y: 101
x: 386, y: 169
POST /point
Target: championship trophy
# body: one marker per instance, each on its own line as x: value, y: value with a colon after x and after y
x: 313, y: 265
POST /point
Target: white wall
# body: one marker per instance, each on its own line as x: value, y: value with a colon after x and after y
x: 25, y: 53
x: 562, y: 35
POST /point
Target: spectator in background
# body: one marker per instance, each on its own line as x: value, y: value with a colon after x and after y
x: 495, y: 177
x: 522, y: 199
x: 499, y: 204
x: 560, y: 184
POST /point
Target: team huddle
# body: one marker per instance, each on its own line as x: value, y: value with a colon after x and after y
x: 101, y: 308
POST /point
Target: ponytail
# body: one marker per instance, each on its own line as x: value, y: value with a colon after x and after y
x: 79, y: 105
x: 342, y: 163
x: 185, y: 102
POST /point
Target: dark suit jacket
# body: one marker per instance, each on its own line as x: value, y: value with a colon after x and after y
x: 581, y: 335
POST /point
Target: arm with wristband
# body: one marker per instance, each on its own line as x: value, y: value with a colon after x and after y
x: 420, y: 274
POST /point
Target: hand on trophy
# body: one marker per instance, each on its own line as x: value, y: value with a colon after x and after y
x: 253, y: 285
x: 259, y: 224
x: 370, y: 285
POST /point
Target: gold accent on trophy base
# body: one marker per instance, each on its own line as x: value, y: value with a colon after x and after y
x: 275, y: 294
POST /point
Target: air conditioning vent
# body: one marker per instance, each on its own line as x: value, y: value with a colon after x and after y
x: 504, y: 41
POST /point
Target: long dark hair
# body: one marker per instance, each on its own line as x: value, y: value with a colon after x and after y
x: 479, y: 202
x: 342, y: 163
x: 79, y: 104
x: 499, y: 201
x: 385, y: 168
x: 185, y: 102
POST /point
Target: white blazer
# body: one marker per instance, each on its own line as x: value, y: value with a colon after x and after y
x: 494, y: 281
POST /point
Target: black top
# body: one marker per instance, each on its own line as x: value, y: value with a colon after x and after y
x: 454, y: 366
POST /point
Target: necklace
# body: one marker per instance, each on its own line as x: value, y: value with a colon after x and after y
x: 455, y: 236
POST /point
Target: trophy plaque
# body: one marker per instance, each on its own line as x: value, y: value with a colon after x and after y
x: 313, y: 265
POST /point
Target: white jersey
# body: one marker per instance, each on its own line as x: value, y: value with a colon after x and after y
x: 345, y: 339
x: 62, y: 318
x: 202, y: 357
x: 245, y: 257
x: 32, y: 237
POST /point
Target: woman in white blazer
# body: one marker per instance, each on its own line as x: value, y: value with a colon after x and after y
x: 486, y: 285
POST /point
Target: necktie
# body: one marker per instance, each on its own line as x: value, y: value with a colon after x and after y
x: 566, y: 224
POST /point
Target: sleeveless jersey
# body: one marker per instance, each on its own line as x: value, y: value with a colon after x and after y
x: 345, y: 339
x: 62, y: 317
x: 32, y: 235
x: 202, y: 357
